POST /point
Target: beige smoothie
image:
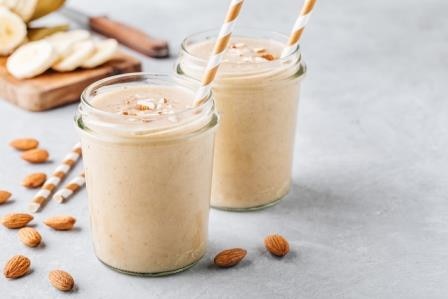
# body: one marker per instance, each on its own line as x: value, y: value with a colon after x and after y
x: 148, y: 162
x: 256, y: 94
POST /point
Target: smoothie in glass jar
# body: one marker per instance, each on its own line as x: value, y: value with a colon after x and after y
x: 148, y: 162
x: 256, y: 94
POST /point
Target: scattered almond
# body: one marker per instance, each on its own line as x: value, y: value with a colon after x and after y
x: 268, y: 56
x: 230, y: 257
x: 34, y: 180
x: 4, y: 196
x: 61, y: 280
x: 24, y: 144
x: 35, y: 156
x: 17, y: 266
x: 277, y: 245
x: 60, y: 222
x: 30, y: 236
x: 16, y: 220
x: 259, y: 50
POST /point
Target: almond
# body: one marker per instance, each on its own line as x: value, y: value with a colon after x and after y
x: 34, y: 180
x: 4, y: 196
x: 277, y: 245
x: 230, y: 257
x: 16, y: 220
x: 29, y: 236
x: 60, y: 222
x: 61, y: 280
x: 17, y: 266
x: 24, y: 144
x: 35, y: 156
x: 268, y: 56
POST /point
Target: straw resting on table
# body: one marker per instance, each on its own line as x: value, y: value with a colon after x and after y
x: 52, y: 182
x: 299, y: 26
x: 74, y: 185
x: 218, y: 51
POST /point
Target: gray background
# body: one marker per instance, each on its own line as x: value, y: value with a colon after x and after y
x: 368, y: 213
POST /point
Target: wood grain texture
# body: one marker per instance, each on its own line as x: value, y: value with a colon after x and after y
x: 53, y: 89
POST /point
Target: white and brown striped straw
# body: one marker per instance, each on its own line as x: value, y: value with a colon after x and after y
x: 218, y: 51
x: 73, y: 185
x: 299, y: 26
x: 52, y: 182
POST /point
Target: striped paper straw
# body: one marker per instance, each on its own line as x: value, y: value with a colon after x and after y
x: 52, y: 182
x: 298, y: 28
x: 218, y: 51
x: 74, y: 185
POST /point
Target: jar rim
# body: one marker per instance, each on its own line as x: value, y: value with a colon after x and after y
x: 167, y: 78
x: 89, y: 117
x: 241, y: 31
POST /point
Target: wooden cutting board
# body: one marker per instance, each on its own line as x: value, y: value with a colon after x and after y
x: 53, y: 89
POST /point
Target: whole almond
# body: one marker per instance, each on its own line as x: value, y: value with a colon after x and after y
x: 277, y: 245
x: 35, y: 156
x: 17, y: 266
x: 34, y: 180
x: 16, y: 220
x: 4, y: 196
x: 61, y: 280
x: 24, y: 144
x: 60, y: 222
x: 230, y: 257
x: 30, y: 236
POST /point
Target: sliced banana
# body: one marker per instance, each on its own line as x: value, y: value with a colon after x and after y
x: 63, y: 42
x: 72, y: 35
x: 104, y: 51
x: 80, y: 52
x: 8, y: 3
x: 25, y: 8
x: 31, y: 59
x: 12, y: 31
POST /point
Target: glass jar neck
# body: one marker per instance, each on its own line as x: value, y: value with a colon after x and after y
x: 191, y: 67
x: 154, y: 126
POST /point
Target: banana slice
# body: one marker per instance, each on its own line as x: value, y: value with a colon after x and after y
x: 25, y: 8
x: 31, y: 59
x: 104, y: 51
x: 63, y: 42
x: 72, y: 35
x: 80, y: 52
x: 8, y: 3
x: 12, y: 31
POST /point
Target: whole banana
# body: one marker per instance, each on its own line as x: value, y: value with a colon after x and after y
x: 45, y: 7
x: 37, y: 33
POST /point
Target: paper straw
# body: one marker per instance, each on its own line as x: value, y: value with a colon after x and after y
x: 74, y: 185
x: 218, y: 51
x: 298, y: 28
x: 52, y: 182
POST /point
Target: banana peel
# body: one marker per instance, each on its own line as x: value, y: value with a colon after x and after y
x: 45, y: 7
x: 38, y: 33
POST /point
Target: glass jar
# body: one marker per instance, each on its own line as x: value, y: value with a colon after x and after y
x: 148, y: 181
x: 257, y: 103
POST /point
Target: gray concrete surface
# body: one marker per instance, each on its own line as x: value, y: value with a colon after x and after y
x: 368, y: 213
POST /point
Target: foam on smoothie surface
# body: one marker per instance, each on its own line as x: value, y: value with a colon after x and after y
x: 241, y: 50
x: 143, y: 100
